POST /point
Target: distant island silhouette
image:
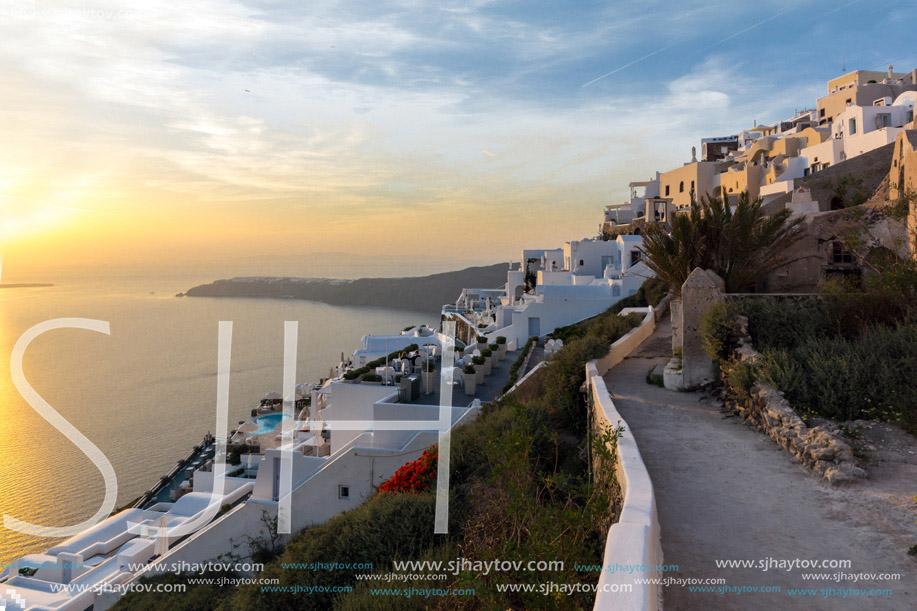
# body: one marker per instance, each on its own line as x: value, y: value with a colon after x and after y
x: 23, y: 285
x: 422, y: 293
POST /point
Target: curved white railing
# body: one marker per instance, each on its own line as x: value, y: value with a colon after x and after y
x: 634, y: 541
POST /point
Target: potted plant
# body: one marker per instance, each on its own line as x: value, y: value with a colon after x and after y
x: 429, y: 375
x: 488, y: 355
x: 495, y: 350
x: 482, y: 342
x: 479, y: 363
x: 501, y: 347
x: 470, y: 380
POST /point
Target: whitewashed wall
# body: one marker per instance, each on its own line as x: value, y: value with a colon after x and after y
x: 636, y: 539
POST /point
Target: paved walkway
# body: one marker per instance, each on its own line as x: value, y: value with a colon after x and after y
x: 726, y: 492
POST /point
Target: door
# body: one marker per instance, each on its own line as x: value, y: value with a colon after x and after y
x: 534, y: 327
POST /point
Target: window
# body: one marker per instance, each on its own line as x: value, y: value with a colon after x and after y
x: 840, y: 254
x: 692, y: 186
x: 681, y: 187
x: 883, y: 120
x: 343, y: 492
x: 821, y: 113
x: 853, y: 127
x: 634, y: 257
x: 667, y: 190
x: 582, y: 263
x: 910, y: 116
x: 848, y: 102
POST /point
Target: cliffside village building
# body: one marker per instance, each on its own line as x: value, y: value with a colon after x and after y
x: 552, y: 288
x: 859, y: 140
x: 861, y: 112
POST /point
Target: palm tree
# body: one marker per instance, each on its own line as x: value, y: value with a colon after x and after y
x: 740, y: 245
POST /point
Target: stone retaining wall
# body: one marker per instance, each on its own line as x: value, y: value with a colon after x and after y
x: 821, y: 447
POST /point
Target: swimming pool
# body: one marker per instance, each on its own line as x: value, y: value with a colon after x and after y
x: 267, y: 424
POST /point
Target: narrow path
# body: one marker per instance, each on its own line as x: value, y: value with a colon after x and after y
x: 726, y: 492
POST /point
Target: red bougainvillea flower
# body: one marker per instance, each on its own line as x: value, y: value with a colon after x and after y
x: 415, y: 476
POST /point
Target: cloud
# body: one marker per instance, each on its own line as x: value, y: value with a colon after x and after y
x: 360, y: 111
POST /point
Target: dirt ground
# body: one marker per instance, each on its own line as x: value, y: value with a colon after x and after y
x: 726, y: 492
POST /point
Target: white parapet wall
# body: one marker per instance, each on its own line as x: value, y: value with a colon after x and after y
x: 635, y: 540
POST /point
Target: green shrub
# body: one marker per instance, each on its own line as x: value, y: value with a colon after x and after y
x: 715, y: 328
x: 514, y: 368
x: 478, y: 360
x: 871, y: 376
x: 842, y: 356
x: 487, y: 353
x: 501, y: 340
x: 469, y: 368
x: 654, y: 379
x: 387, y: 526
x: 783, y: 323
x: 740, y: 377
x: 366, y: 597
x: 196, y: 597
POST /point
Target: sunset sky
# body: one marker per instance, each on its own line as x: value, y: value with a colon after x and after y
x: 196, y: 130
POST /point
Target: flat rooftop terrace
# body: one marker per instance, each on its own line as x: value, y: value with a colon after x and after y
x: 486, y: 391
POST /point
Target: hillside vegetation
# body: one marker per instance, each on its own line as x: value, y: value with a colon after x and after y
x: 843, y: 356
x: 520, y: 490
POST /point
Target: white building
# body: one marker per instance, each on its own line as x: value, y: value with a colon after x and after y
x: 593, y: 275
x: 862, y: 111
x: 373, y: 347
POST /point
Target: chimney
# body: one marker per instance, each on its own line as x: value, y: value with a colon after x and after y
x: 914, y: 76
x: 890, y: 73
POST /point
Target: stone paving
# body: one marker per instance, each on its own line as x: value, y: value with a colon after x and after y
x: 727, y: 492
